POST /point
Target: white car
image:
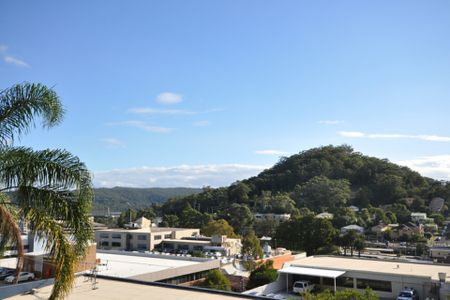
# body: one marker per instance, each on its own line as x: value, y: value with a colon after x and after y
x: 23, y: 276
x: 302, y: 287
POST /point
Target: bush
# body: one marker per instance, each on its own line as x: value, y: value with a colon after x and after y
x: 217, y: 281
x: 263, y: 274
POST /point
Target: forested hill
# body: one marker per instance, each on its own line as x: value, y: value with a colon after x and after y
x: 319, y: 179
x: 116, y: 198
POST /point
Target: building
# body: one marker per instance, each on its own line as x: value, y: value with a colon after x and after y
x: 113, y: 288
x: 440, y: 253
x: 421, y: 218
x: 325, y: 215
x: 407, y: 230
x: 139, y: 236
x: 217, y: 243
x: 156, y: 268
x: 352, y: 227
x: 386, y: 278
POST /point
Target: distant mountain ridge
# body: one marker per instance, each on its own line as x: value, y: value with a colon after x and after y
x: 116, y: 198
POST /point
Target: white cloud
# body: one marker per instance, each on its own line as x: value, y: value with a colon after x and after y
x: 177, y: 176
x: 271, y: 152
x: 353, y: 134
x: 3, y: 48
x: 437, y: 166
x: 113, y: 142
x: 201, y: 123
x: 169, y: 98
x: 331, y: 122
x: 358, y: 134
x: 157, y: 111
x: 142, y: 125
x: 9, y: 59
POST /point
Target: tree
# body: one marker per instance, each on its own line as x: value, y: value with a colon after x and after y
x: 126, y: 217
x: 51, y: 188
x: 305, y: 233
x: 218, y: 227
x: 263, y: 274
x: 240, y: 217
x: 217, y: 281
x: 321, y: 192
x: 251, y: 246
x: 359, y: 244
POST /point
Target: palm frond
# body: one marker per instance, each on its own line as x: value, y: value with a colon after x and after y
x: 21, y: 103
x: 61, y: 250
x: 10, y: 232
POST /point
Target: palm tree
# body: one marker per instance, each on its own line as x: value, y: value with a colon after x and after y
x: 49, y: 189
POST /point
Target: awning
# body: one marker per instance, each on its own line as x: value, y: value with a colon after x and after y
x: 312, y: 272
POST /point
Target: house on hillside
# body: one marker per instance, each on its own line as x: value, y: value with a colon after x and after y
x: 325, y: 215
x: 353, y: 227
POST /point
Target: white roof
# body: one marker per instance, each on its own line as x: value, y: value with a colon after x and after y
x: 117, y: 265
x: 312, y: 272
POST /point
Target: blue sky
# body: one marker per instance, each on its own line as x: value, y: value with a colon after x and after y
x: 193, y: 93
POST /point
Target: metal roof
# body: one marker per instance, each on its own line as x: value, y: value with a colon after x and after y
x: 312, y: 272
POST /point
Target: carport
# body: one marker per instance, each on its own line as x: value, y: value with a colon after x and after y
x: 324, y: 273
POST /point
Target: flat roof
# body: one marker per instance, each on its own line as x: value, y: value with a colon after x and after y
x: 373, y: 266
x: 146, y: 230
x: 125, y: 266
x: 115, y: 290
x: 312, y: 272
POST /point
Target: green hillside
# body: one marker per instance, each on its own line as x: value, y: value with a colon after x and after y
x: 116, y: 198
x: 328, y: 178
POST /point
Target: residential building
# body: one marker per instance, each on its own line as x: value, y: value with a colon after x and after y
x: 418, y: 217
x: 353, y: 227
x: 325, y: 215
x: 139, y: 236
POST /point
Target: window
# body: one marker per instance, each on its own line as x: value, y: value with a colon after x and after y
x: 168, y: 236
x: 142, y: 237
x: 198, y: 248
x: 142, y: 246
x: 377, y: 285
x: 344, y: 281
x: 157, y: 237
x: 104, y: 243
x: 116, y: 244
x: 116, y: 236
x: 104, y: 235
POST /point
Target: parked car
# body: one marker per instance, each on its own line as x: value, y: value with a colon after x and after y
x: 23, y: 276
x: 4, y: 272
x: 302, y: 287
x: 408, y: 294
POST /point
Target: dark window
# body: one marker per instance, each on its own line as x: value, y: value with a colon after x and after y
x: 142, y: 237
x: 116, y: 236
x: 142, y: 246
x: 116, y: 244
x: 104, y: 235
x: 198, y: 248
x: 167, y: 236
x: 157, y: 237
x: 105, y: 243
x: 377, y: 285
x: 344, y: 281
